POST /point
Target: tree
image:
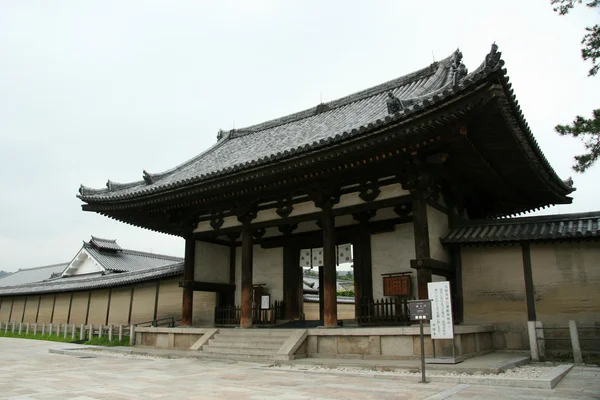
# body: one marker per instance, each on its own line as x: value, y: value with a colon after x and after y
x: 588, y: 130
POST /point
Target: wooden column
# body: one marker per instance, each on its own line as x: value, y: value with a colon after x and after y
x: 529, y: 294
x: 291, y: 279
x: 421, y: 233
x: 329, y: 264
x: 456, y: 284
x: 363, y: 270
x: 321, y: 294
x: 247, y: 254
x: 187, y: 308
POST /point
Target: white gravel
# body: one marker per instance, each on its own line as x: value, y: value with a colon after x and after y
x: 524, y: 372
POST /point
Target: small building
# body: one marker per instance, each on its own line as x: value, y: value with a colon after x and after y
x: 103, y: 284
x: 420, y: 175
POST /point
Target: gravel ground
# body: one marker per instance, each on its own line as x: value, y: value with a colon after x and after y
x: 524, y: 372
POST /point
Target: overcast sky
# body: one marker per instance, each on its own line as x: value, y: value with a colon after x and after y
x: 92, y: 90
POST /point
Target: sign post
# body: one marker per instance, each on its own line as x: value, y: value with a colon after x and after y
x: 420, y: 310
x: 441, y: 324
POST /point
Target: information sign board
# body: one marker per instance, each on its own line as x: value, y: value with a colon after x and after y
x: 265, y: 301
x: 441, y: 324
x: 419, y: 309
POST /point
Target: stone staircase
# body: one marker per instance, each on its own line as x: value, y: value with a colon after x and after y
x: 251, y: 344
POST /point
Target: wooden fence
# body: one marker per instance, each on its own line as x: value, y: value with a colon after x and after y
x: 230, y: 315
x: 388, y: 311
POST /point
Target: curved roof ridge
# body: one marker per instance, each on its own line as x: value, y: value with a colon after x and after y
x: 430, y: 70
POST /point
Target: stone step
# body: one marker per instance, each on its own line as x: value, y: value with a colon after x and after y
x: 262, y: 343
x: 248, y: 338
x: 250, y: 350
x: 239, y: 357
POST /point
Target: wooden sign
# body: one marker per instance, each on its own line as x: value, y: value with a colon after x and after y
x: 398, y: 285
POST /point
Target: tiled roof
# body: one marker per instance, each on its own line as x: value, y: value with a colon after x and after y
x: 31, y: 275
x: 105, y: 244
x: 95, y: 282
x: 541, y: 228
x: 314, y: 298
x: 129, y: 260
x: 293, y: 134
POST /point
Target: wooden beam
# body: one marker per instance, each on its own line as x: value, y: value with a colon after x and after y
x: 187, y: 309
x: 247, y: 255
x: 435, y: 266
x: 529, y: 290
x: 374, y: 205
x: 343, y: 234
x: 422, y: 251
x: 207, y: 286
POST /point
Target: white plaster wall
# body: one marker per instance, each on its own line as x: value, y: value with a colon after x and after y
x: 437, y: 222
x: 392, y: 252
x: 211, y: 263
x: 267, y: 268
x: 88, y: 266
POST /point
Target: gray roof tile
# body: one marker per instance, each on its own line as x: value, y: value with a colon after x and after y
x: 129, y: 260
x: 94, y: 282
x: 540, y: 228
x: 289, y: 135
x: 30, y: 275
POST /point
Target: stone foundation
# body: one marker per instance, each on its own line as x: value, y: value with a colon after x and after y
x: 401, y: 343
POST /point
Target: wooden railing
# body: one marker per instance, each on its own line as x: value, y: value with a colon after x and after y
x: 390, y: 311
x: 230, y: 315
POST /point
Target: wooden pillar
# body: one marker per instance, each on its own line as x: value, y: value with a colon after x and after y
x: 155, y: 315
x: 130, y: 304
x: 291, y: 278
x: 529, y: 294
x: 187, y: 309
x: 421, y: 233
x: 363, y: 270
x: 329, y: 264
x: 457, y: 284
x: 108, y: 306
x: 229, y: 299
x: 247, y: 254
x: 321, y: 294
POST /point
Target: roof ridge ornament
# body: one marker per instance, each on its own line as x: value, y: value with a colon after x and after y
x: 394, y: 104
x: 492, y: 59
x: 148, y: 177
x: 459, y: 70
x: 569, y: 182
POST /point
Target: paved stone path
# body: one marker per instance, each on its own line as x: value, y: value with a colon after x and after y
x: 28, y: 371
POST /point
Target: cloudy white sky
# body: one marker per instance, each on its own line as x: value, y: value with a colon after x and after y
x: 91, y: 90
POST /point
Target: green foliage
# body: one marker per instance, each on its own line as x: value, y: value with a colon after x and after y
x: 38, y: 336
x: 589, y: 130
x: 103, y: 341
x: 345, y: 293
